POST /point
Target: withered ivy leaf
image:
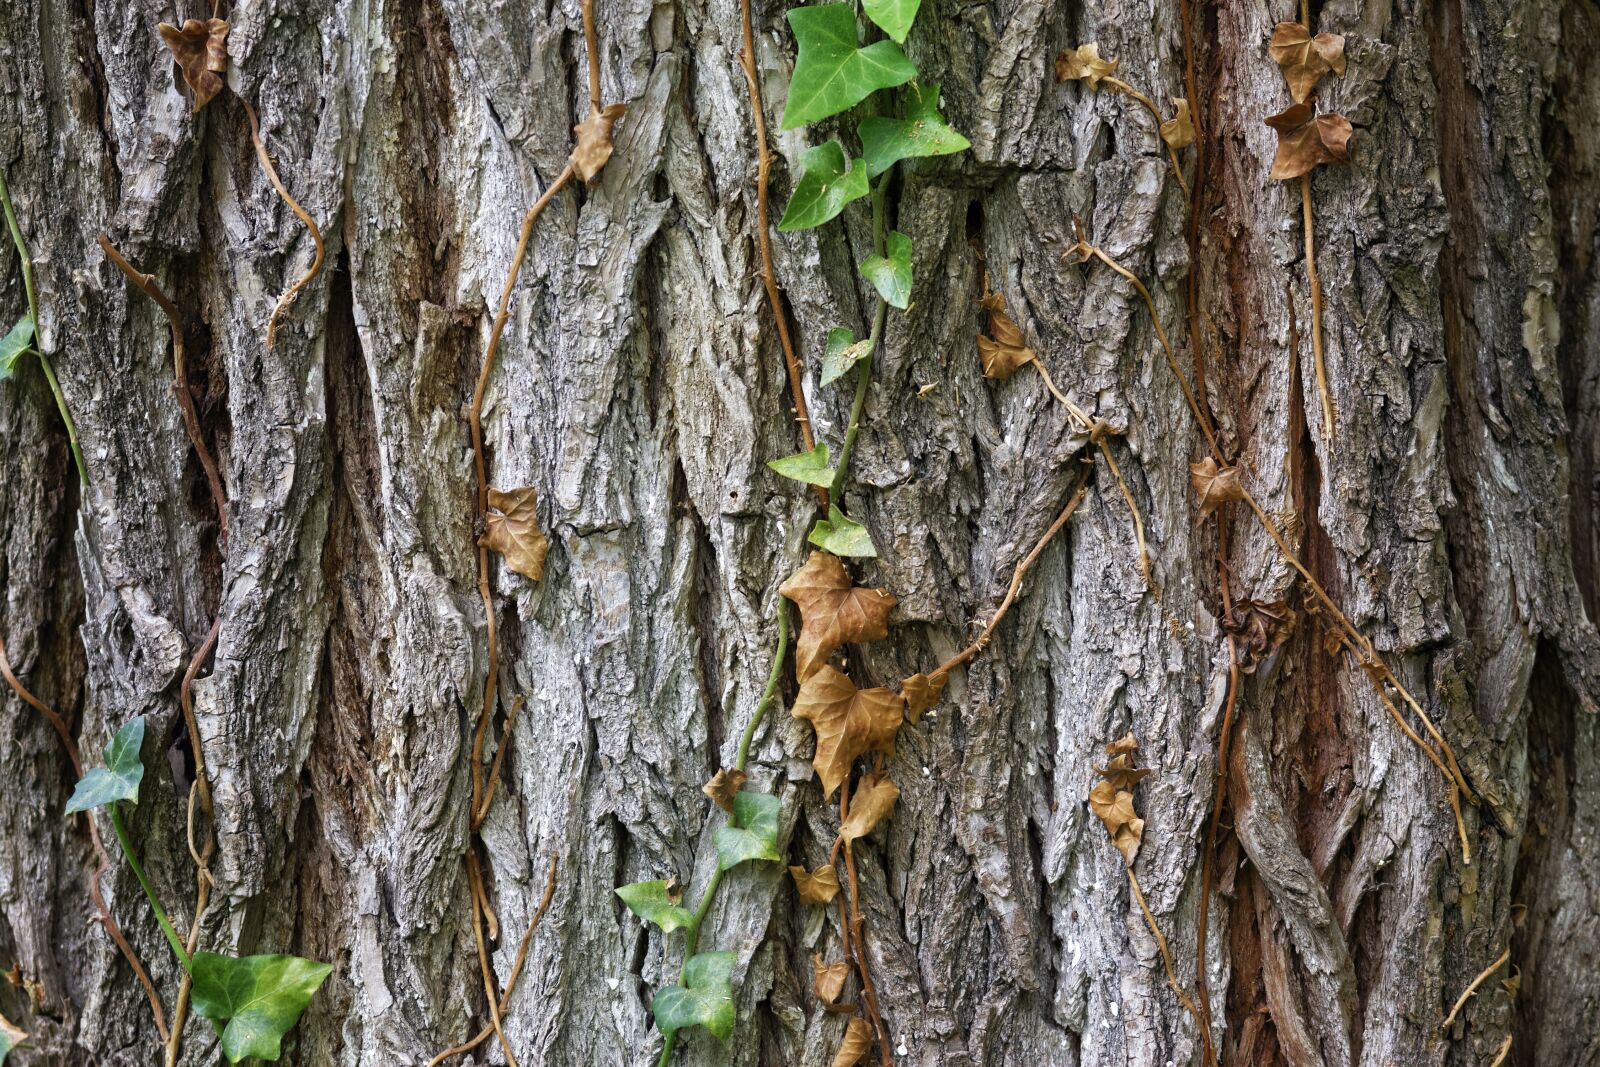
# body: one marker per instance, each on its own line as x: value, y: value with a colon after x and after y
x: 1114, y: 807
x: 818, y: 886
x: 1125, y: 745
x: 922, y: 692
x: 1121, y: 772
x: 870, y: 804
x: 201, y: 51
x: 724, y: 786
x: 1304, y: 59
x: 1214, y: 485
x: 1084, y: 64
x: 1513, y: 984
x: 848, y: 722
x: 593, y: 136
x: 1178, y: 131
x: 856, y: 1044
x: 1004, y: 350
x: 1306, y: 140
x: 834, y: 611
x: 1258, y: 629
x: 513, y: 531
x: 827, y: 979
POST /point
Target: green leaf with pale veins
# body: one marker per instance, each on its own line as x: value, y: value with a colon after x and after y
x: 891, y: 274
x: 893, y: 17
x: 752, y: 833
x: 704, y: 999
x: 10, y: 1037
x: 14, y: 344
x: 844, y: 352
x: 119, y: 779
x: 809, y: 467
x: 259, y: 997
x: 842, y: 535
x: 831, y: 74
x: 824, y: 188
x: 655, y: 902
x: 923, y: 132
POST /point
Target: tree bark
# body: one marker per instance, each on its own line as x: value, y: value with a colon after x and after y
x: 641, y: 390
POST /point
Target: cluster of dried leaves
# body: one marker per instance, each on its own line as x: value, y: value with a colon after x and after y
x: 1111, y: 799
x: 1305, y: 138
x: 1084, y: 64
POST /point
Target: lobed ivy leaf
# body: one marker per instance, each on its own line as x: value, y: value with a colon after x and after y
x: 844, y: 352
x: 824, y: 188
x: 891, y: 274
x: 831, y: 74
x: 923, y: 132
x: 809, y: 467
x: 10, y: 1037
x: 656, y: 902
x: 14, y: 344
x: 752, y: 833
x: 704, y: 999
x: 259, y: 997
x: 842, y: 535
x: 119, y: 779
x: 893, y: 17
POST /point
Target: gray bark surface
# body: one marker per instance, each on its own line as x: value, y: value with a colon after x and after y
x: 640, y: 389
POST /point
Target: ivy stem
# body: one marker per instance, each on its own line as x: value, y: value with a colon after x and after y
x: 864, y: 368
x: 691, y: 936
x: 33, y: 314
x: 149, y: 890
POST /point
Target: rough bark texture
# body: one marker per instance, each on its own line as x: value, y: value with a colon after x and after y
x: 641, y: 390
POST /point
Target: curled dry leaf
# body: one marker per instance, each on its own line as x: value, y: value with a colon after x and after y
x: 1004, y: 350
x: 201, y: 51
x: 1084, y: 64
x: 1304, y: 59
x: 856, y: 1044
x: 513, y: 531
x: 1258, y: 629
x: 1121, y: 772
x: 848, y: 722
x: 870, y: 804
x: 593, y: 141
x: 724, y: 786
x: 833, y: 610
x: 1178, y: 131
x: 818, y: 886
x: 827, y: 979
x: 1306, y: 140
x: 1214, y: 485
x: 1111, y: 800
x: 922, y: 692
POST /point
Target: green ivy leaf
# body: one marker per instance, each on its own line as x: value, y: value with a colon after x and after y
x: 119, y: 779
x: 842, y: 535
x: 655, y: 902
x: 13, y: 345
x: 752, y: 833
x: 844, y: 352
x: 831, y: 74
x: 809, y: 467
x: 891, y: 274
x: 893, y: 17
x: 824, y: 188
x: 923, y: 132
x: 704, y: 999
x: 259, y: 997
x: 10, y: 1037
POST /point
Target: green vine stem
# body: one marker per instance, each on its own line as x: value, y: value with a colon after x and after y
x: 33, y: 313
x: 691, y: 938
x: 864, y: 368
x: 149, y: 890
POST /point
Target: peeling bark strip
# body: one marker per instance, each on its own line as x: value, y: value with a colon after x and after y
x: 640, y: 387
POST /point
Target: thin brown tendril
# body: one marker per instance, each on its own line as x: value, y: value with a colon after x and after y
x: 1328, y: 420
x: 1466, y: 994
x: 483, y: 957
x: 293, y: 291
x: 1150, y: 106
x: 857, y: 937
x: 1166, y: 960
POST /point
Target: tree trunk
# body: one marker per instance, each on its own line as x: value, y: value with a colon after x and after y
x: 641, y: 389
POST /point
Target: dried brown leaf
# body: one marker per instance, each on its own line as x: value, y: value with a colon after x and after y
x: 513, y: 531
x: 1114, y: 807
x: 856, y: 1044
x: 1258, y: 629
x: 818, y: 886
x: 827, y: 979
x: 833, y: 610
x: 1214, y: 485
x: 848, y: 722
x: 1122, y: 774
x: 724, y: 786
x: 1304, y: 59
x: 593, y: 140
x: 1004, y: 350
x: 870, y: 804
x: 1513, y: 985
x: 1084, y: 64
x: 922, y: 692
x: 1306, y: 140
x: 1125, y: 745
x: 1178, y: 131
x: 201, y: 51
